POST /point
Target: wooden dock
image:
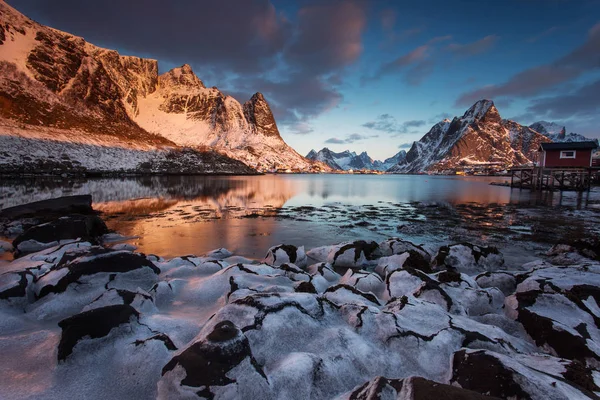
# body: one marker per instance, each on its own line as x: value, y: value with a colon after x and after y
x: 537, y: 178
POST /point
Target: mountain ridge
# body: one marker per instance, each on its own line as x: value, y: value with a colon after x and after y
x: 56, y: 80
x: 349, y: 160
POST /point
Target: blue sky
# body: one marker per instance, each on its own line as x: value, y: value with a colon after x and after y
x: 366, y: 76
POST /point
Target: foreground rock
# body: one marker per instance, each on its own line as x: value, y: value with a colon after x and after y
x: 332, y: 322
x: 81, y: 204
x: 73, y: 227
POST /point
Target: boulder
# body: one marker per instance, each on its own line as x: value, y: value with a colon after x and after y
x: 468, y: 258
x: 411, y: 388
x: 83, y: 227
x: 95, y: 323
x: 286, y: 253
x: 80, y: 204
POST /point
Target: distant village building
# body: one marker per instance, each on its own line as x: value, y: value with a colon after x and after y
x: 566, y: 155
x: 596, y: 159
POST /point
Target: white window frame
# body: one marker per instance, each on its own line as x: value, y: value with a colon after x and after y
x: 562, y: 155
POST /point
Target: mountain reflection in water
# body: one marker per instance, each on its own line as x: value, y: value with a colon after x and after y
x: 177, y: 215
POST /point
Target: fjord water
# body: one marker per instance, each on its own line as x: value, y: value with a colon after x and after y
x: 178, y: 215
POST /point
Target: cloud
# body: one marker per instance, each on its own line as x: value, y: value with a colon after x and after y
x: 439, y: 117
x: 405, y: 145
x: 537, y: 80
x: 328, y: 36
x: 389, y: 124
x: 543, y: 34
x: 417, y: 55
x: 581, y: 103
x: 355, y: 137
x: 255, y: 32
x: 473, y: 48
x: 415, y: 65
x: 388, y: 19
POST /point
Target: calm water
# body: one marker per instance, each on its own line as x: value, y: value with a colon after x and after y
x: 191, y: 215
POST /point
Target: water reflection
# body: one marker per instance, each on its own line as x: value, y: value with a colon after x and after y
x: 178, y: 215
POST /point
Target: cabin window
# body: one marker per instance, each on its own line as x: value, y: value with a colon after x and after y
x: 567, y: 154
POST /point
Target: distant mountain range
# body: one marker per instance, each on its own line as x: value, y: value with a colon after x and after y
x: 116, y: 113
x: 349, y: 160
x: 478, y: 139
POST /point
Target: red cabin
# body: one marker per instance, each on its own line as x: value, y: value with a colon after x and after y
x: 566, y: 155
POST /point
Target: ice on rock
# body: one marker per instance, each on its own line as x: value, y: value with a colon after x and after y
x: 523, y: 377
x: 504, y: 281
x: 411, y: 388
x: 324, y: 270
x: 193, y: 327
x: 469, y: 258
x: 219, y: 254
x: 285, y: 253
x: 364, y: 281
x: 393, y: 246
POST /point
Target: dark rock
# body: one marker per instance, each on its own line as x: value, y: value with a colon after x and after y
x: 588, y: 247
x: 94, y: 323
x: 84, y: 227
x: 13, y: 284
x: 543, y: 331
x: 162, y: 337
x: 81, y: 204
x: 483, y: 373
x: 412, y: 388
x: 355, y: 250
x: 109, y: 261
x: 208, y: 361
x: 503, y: 376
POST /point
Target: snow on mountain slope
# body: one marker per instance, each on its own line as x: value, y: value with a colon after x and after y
x: 53, y: 79
x: 349, y: 160
x: 479, y: 137
x: 557, y: 133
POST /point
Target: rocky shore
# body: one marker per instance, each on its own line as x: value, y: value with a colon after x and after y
x: 83, y: 315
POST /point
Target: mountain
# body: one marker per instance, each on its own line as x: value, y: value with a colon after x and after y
x: 558, y: 133
x: 480, y: 137
x: 57, y: 88
x: 349, y: 160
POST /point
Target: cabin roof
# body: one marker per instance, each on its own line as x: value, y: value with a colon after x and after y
x: 568, y: 146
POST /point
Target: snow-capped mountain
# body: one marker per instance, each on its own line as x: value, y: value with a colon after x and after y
x: 56, y: 86
x: 557, y: 133
x: 349, y: 160
x: 477, y: 138
x: 390, y: 162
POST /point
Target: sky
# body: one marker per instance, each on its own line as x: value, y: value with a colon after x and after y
x: 364, y: 75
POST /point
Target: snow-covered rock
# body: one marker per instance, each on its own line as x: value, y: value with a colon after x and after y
x: 469, y: 258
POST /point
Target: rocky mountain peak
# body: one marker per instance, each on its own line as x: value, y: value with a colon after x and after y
x: 180, y: 78
x: 259, y: 115
x: 483, y: 111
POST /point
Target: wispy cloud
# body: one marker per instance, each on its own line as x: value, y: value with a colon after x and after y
x: 477, y: 47
x: 439, y: 117
x: 539, y: 80
x: 387, y: 123
x: 405, y: 145
x: 414, y: 66
x: 543, y: 34
x: 354, y: 137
